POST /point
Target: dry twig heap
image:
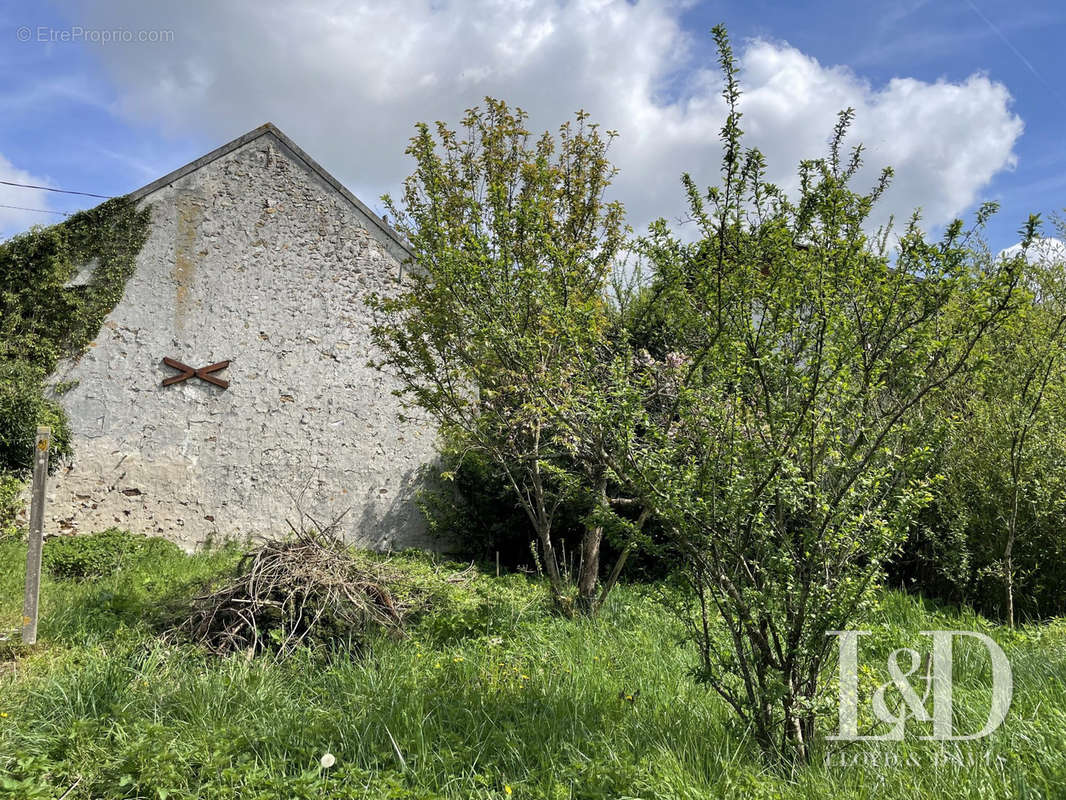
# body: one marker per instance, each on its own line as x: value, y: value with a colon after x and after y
x: 307, y: 589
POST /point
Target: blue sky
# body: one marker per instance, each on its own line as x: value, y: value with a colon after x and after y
x: 962, y: 97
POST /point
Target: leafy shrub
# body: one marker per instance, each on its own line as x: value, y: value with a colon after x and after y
x: 97, y: 554
x: 23, y: 407
x: 10, y: 488
x: 993, y: 537
x: 955, y: 553
x: 472, y: 511
x: 451, y: 601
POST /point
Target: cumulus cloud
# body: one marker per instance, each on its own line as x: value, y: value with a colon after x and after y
x: 13, y: 220
x: 348, y: 82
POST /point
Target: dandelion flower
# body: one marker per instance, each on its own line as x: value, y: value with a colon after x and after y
x: 327, y: 760
x: 3, y: 713
x: 507, y: 790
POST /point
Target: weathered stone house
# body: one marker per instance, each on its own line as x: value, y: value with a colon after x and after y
x: 256, y: 256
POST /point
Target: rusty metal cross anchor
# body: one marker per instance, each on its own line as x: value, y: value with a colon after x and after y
x: 189, y: 372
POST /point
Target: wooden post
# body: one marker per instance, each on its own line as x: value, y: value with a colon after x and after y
x: 33, y: 553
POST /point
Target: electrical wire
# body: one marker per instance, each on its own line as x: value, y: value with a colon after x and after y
x: 38, y: 210
x: 50, y: 189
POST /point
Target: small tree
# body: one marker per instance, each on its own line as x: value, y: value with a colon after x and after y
x: 513, y: 244
x: 776, y: 434
x: 1007, y: 446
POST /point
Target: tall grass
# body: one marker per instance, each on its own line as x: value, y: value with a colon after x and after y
x: 489, y: 697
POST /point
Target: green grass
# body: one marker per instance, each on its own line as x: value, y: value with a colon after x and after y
x: 490, y: 692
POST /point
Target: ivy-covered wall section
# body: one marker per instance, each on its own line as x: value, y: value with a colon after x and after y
x: 46, y: 315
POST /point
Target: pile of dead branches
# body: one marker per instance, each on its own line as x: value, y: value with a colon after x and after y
x: 306, y: 589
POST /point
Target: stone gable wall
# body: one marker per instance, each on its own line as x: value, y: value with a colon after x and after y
x: 254, y: 258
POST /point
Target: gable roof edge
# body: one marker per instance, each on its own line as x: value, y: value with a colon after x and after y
x: 310, y: 163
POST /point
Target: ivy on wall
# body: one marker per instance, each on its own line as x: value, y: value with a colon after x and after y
x: 43, y: 319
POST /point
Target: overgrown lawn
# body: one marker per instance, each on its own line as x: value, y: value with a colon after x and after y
x: 490, y: 696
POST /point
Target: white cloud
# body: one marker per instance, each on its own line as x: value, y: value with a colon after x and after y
x: 13, y: 220
x: 349, y: 82
x: 1045, y: 249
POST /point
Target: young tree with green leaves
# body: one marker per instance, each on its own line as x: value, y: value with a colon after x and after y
x: 492, y: 334
x: 1003, y: 499
x: 776, y: 433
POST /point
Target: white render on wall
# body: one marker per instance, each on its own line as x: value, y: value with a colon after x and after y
x: 256, y: 255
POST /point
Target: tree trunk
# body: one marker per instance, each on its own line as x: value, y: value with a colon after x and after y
x: 551, y: 569
x: 1012, y: 528
x: 589, y: 574
x: 537, y: 509
x: 798, y: 730
x: 1008, y: 556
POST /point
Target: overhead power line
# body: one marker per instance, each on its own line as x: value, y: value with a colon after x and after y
x: 38, y: 210
x: 61, y: 191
